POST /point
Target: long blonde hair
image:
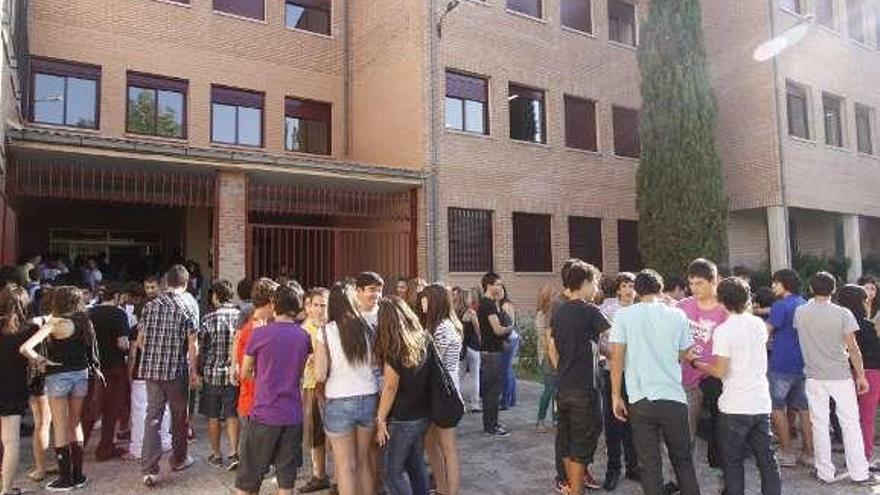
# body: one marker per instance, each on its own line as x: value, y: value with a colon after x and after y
x: 545, y: 298
x: 13, y: 309
x: 401, y: 338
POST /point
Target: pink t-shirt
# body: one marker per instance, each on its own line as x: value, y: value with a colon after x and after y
x: 703, y: 323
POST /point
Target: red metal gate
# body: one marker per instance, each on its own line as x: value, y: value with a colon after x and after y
x: 321, y: 255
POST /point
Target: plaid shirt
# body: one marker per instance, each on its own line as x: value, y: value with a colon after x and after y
x: 215, y: 344
x: 166, y: 323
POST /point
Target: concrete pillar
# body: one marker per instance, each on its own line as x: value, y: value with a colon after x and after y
x: 852, y: 246
x: 230, y: 257
x: 777, y: 234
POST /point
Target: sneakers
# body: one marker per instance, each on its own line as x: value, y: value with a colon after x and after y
x: 150, y: 480
x: 589, y: 481
x: 670, y: 487
x: 786, y: 459
x: 60, y: 485
x: 541, y: 427
x: 562, y: 487
x: 80, y: 482
x: 499, y: 432
x: 869, y: 482
x: 234, y: 461
x: 215, y: 461
x: 186, y: 464
x: 315, y: 485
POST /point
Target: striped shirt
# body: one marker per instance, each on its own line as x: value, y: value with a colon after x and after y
x: 167, y: 322
x: 448, y: 340
x: 215, y: 344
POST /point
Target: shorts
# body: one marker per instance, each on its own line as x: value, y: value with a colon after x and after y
x: 218, y: 401
x: 343, y: 415
x: 579, y: 426
x: 68, y: 384
x: 13, y: 408
x: 788, y: 390
x: 313, y: 426
x: 268, y: 445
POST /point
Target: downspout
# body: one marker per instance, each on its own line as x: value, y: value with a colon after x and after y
x: 346, y: 80
x: 780, y: 131
x: 431, y: 186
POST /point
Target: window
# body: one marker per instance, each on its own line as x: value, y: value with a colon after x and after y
x: 628, y: 246
x: 577, y: 14
x: 622, y: 22
x: 585, y: 239
x: 825, y: 13
x: 528, y: 7
x: 65, y: 93
x: 626, y: 131
x: 466, y: 99
x: 470, y: 240
x: 308, y: 15
x: 832, y: 108
x: 236, y: 116
x: 580, y: 123
x: 526, y: 114
x: 252, y: 9
x: 864, y: 129
x: 855, y: 19
x: 791, y: 5
x: 797, y: 110
x: 307, y: 126
x: 531, y: 243
x: 156, y: 106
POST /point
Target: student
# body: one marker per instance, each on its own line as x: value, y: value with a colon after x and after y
x: 675, y: 289
x: 648, y: 339
x: 466, y: 302
x: 510, y: 351
x: 827, y: 335
x: 316, y: 317
x: 855, y: 299
x: 275, y: 357
x: 262, y: 293
x: 492, y: 335
x: 542, y: 328
x: 869, y: 283
x: 740, y: 361
x: 786, y: 368
x: 219, y: 397
x: 704, y: 314
x: 344, y: 376
x: 576, y: 326
x: 368, y: 290
x: 403, y: 416
x: 440, y: 443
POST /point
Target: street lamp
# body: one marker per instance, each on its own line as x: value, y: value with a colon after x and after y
x: 783, y: 41
x: 449, y: 8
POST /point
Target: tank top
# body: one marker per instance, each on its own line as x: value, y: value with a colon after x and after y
x: 72, y: 352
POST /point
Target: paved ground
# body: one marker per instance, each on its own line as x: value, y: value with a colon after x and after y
x: 519, y: 465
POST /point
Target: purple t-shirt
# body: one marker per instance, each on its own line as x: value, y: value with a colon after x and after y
x: 280, y: 351
x: 702, y: 323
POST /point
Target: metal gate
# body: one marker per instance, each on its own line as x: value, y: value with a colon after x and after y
x: 321, y: 255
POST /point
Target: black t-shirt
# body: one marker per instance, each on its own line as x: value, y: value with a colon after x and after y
x: 137, y: 355
x: 869, y: 343
x: 574, y: 328
x: 413, y: 399
x: 14, y: 366
x: 471, y: 340
x: 491, y: 341
x: 110, y: 323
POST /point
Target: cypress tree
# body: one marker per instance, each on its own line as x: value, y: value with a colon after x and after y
x: 679, y: 183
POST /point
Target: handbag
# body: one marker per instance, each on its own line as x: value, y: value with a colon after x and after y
x: 447, y: 407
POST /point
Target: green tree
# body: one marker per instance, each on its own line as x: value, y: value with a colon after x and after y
x: 680, y: 196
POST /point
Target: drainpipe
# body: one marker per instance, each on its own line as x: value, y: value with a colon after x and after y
x: 346, y: 79
x: 431, y: 186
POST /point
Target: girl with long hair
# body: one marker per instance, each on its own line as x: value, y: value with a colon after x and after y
x: 466, y: 302
x: 414, y: 288
x: 542, y: 328
x: 39, y: 402
x: 404, y: 408
x: 443, y: 324
x: 71, y: 354
x: 507, y: 316
x: 348, y: 389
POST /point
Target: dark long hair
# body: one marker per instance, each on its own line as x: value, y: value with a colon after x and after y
x: 353, y: 330
x: 13, y: 309
x: 400, y: 337
x: 440, y: 307
x: 853, y: 297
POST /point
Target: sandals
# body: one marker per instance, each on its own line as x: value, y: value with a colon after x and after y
x: 36, y: 477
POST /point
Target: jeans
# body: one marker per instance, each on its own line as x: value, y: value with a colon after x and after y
x: 139, y: 414
x: 111, y: 400
x: 490, y: 387
x: 174, y: 393
x: 844, y: 394
x: 618, y: 435
x: 705, y: 395
x: 666, y: 420
x: 740, y: 435
x: 403, y: 458
x: 868, y: 410
x: 550, y: 382
x: 508, y: 375
x: 343, y: 415
x: 469, y: 375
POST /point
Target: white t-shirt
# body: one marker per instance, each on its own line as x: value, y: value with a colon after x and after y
x: 743, y: 339
x: 346, y: 379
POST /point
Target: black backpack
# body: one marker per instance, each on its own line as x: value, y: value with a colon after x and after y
x: 447, y: 407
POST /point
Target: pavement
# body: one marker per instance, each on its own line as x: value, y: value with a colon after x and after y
x: 521, y: 464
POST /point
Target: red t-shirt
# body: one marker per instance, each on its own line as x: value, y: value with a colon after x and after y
x: 246, y: 387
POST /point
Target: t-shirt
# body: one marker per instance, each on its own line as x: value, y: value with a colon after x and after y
x: 654, y: 334
x: 702, y: 323
x: 309, y: 373
x: 14, y: 366
x: 448, y: 341
x: 869, y: 344
x: 610, y: 307
x: 786, y: 356
x: 110, y: 324
x: 246, y: 387
x: 743, y: 339
x: 821, y: 328
x: 413, y: 399
x: 346, y: 379
x: 491, y: 341
x: 280, y: 350
x: 576, y: 325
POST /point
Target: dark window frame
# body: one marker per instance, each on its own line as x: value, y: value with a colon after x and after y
x: 594, y: 139
x: 797, y: 7
x: 182, y: 88
x: 239, y: 14
x: 514, y: 6
x: 865, y: 114
x: 471, y: 219
x: 528, y: 246
x: 521, y: 88
x: 634, y: 41
x: 839, y: 136
x: 464, y: 100
x: 624, y: 229
x: 579, y: 243
x: 262, y: 109
x: 562, y: 15
x: 66, y: 69
x: 794, y: 93
x: 301, y: 3
x: 315, y: 103
x: 617, y: 133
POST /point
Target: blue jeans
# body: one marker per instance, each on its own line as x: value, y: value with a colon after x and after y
x: 508, y: 376
x: 403, y: 458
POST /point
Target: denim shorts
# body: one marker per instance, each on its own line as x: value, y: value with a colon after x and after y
x: 788, y: 390
x: 342, y: 416
x: 68, y: 383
